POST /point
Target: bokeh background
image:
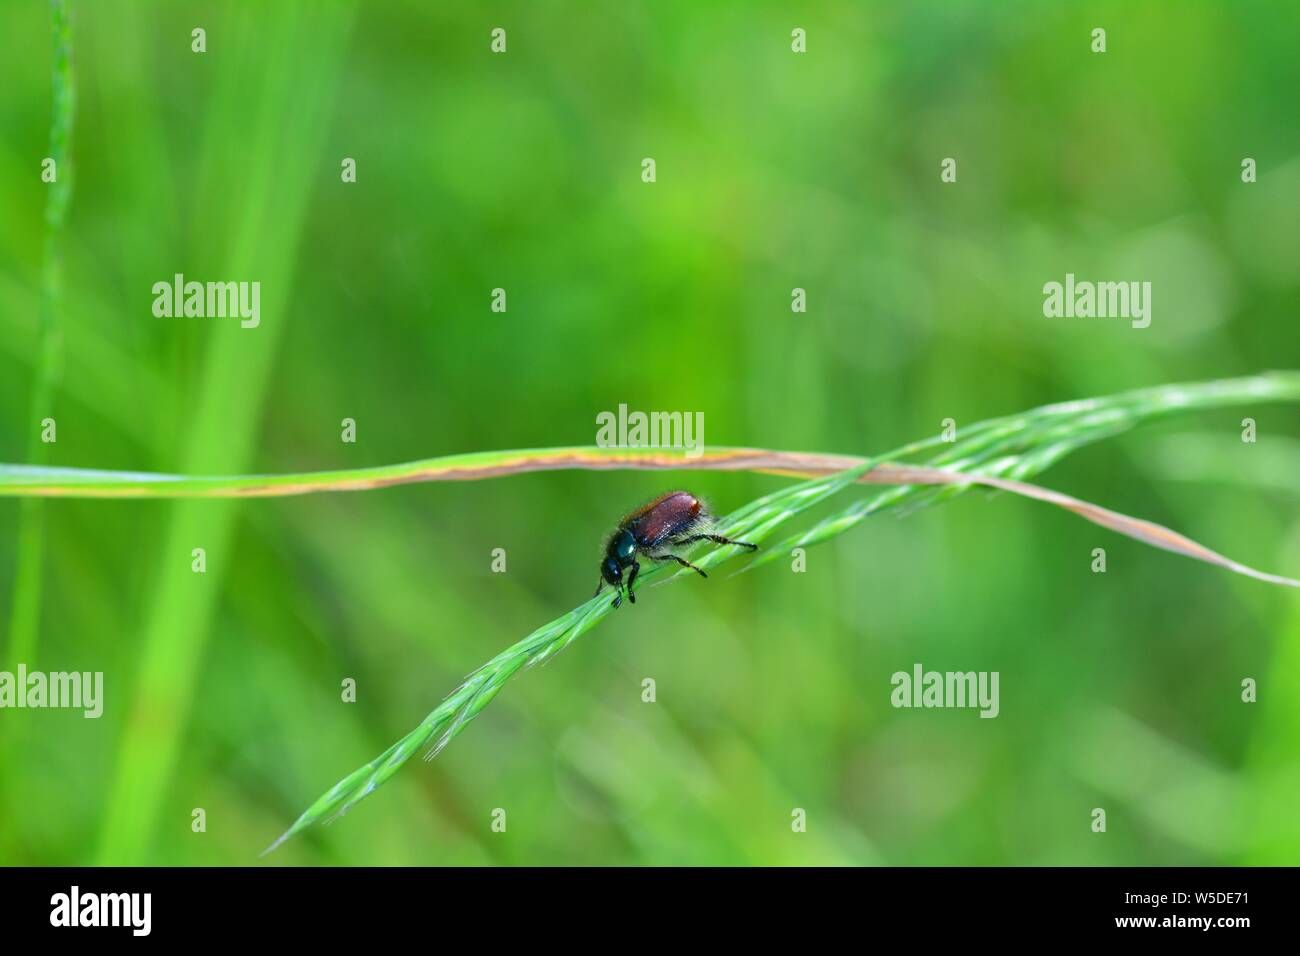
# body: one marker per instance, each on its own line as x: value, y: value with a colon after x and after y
x: 775, y: 171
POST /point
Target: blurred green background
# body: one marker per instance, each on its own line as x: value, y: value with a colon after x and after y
x: 775, y: 171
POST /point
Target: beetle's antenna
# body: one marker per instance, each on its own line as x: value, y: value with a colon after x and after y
x: 599, y: 587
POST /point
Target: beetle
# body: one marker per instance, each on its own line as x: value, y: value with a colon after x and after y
x: 673, y: 520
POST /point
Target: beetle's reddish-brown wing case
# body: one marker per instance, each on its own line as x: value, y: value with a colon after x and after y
x: 666, y: 517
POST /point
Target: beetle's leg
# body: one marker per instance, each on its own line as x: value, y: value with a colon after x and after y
x: 599, y: 587
x: 618, y: 599
x: 630, y: 578
x: 715, y: 537
x: 682, y: 561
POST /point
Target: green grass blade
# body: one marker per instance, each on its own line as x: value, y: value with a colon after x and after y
x: 988, y: 451
x: 224, y: 424
x: 1036, y: 438
x: 26, y: 608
